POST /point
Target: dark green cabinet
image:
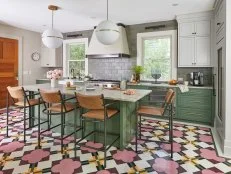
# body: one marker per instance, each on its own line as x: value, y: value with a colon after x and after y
x: 197, y: 105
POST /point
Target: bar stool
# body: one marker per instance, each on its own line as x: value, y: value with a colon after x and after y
x: 96, y: 111
x: 21, y: 99
x: 151, y: 111
x: 55, y: 104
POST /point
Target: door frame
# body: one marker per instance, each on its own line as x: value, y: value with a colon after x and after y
x: 20, y: 60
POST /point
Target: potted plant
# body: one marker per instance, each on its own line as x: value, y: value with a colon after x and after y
x: 54, y: 76
x: 137, y: 71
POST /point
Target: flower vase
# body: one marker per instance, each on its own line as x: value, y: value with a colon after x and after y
x: 54, y: 83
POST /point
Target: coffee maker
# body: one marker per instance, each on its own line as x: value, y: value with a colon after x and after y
x: 196, y: 79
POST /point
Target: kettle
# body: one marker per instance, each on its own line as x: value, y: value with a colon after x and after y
x: 123, y: 84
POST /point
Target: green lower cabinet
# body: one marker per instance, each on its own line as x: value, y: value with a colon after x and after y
x: 195, y: 106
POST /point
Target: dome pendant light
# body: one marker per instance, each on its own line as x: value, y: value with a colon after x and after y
x: 52, y: 38
x: 107, y: 32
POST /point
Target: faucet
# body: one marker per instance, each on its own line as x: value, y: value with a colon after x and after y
x: 72, y: 73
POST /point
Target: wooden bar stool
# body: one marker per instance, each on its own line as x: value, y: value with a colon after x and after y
x: 96, y: 111
x: 166, y: 110
x: 20, y: 99
x: 55, y: 104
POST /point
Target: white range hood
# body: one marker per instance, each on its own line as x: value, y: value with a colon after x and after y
x: 117, y: 50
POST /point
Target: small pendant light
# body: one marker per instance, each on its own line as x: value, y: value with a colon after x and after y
x: 52, y: 38
x: 107, y: 32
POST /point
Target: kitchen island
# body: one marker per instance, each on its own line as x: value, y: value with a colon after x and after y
x: 123, y: 124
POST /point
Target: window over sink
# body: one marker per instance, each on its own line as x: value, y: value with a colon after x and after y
x: 74, y: 57
x: 157, y: 53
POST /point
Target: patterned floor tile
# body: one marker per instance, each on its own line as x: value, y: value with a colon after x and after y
x: 193, y: 152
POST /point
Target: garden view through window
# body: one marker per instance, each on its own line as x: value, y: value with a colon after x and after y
x: 157, y: 58
x: 76, y: 58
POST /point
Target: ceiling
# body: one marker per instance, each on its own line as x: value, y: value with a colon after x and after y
x: 77, y: 15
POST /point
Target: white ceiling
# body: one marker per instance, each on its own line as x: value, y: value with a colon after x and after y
x: 76, y: 15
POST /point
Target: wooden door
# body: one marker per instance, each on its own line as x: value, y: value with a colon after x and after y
x: 8, y: 67
x: 186, y: 52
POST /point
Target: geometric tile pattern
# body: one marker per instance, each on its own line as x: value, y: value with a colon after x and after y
x: 194, y: 152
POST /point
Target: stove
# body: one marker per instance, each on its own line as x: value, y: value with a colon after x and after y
x: 105, y: 83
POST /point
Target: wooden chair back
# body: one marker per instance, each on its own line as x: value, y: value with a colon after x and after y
x: 90, y: 102
x: 169, y: 96
x: 17, y: 93
x: 51, y: 97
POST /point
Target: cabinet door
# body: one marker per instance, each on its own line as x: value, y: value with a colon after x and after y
x: 45, y: 57
x: 48, y: 57
x: 186, y: 52
x: 203, y: 28
x: 187, y: 29
x: 202, y: 51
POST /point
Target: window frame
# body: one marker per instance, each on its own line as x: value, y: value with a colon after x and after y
x: 159, y: 34
x: 65, y: 54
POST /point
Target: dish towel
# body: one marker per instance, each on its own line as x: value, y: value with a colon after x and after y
x: 184, y: 88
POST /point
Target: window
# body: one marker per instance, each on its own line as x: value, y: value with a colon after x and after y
x: 74, y: 57
x: 157, y: 54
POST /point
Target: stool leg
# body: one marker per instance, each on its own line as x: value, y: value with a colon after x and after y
x: 7, y: 117
x: 48, y: 118
x: 171, y: 133
x: 62, y: 131
x: 39, y: 138
x: 75, y: 127
x: 140, y: 126
x: 24, y: 129
x: 105, y: 142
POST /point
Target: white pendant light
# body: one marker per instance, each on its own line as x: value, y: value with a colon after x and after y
x: 107, y: 32
x: 52, y: 38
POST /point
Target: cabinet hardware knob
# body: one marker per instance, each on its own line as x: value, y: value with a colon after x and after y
x: 219, y: 23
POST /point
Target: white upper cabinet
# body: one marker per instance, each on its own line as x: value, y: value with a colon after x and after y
x: 194, y: 40
x: 187, y: 29
x: 220, y: 22
x: 187, y: 51
x: 203, y: 28
x: 51, y: 57
x: 202, y: 51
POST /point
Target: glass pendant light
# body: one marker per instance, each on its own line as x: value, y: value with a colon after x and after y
x: 52, y: 38
x: 107, y: 32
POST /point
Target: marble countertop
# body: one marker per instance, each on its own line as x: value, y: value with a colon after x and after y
x: 108, y: 94
x: 167, y: 85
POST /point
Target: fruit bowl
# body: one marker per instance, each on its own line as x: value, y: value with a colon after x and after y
x: 172, y: 82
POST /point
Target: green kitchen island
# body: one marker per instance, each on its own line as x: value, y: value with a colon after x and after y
x: 123, y: 124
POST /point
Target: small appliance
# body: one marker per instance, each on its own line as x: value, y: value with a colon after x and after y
x: 196, y: 79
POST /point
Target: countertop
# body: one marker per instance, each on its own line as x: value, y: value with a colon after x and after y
x: 167, y: 85
x: 108, y: 94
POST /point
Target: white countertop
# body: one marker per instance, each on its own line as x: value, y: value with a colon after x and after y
x: 108, y: 94
x: 167, y: 85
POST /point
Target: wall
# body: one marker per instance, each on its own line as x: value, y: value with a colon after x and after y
x: 184, y: 73
x: 227, y: 119
x: 117, y: 69
x: 31, y: 42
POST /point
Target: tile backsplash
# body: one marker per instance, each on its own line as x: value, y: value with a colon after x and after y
x: 111, y: 68
x: 208, y: 73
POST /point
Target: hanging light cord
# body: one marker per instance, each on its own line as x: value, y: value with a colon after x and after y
x: 107, y: 9
x: 52, y: 17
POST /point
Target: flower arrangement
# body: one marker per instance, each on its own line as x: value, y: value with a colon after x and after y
x: 55, y: 74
